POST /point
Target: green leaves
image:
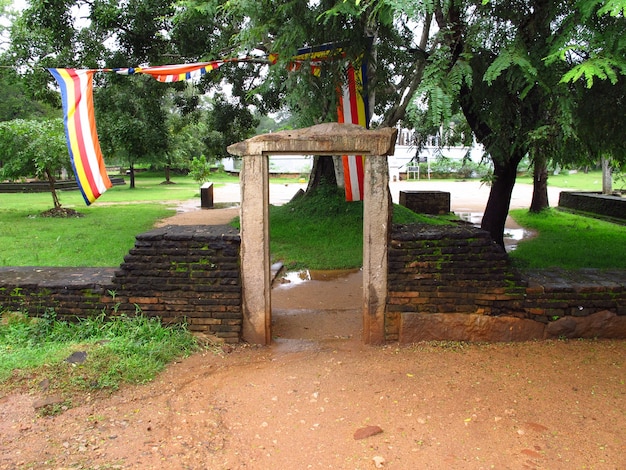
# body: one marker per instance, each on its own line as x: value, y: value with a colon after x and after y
x: 200, y: 169
x: 614, y: 8
x: 514, y: 56
x: 598, y: 67
x: 29, y: 148
x: 593, y: 43
x: 439, y: 91
x: 33, y: 148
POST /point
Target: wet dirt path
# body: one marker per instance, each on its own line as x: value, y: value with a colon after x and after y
x: 308, y: 400
x: 318, y: 398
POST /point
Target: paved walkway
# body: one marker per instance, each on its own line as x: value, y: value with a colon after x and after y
x: 470, y: 196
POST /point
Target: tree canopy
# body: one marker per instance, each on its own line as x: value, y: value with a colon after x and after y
x: 33, y: 148
x: 525, y: 74
x: 512, y: 68
x: 16, y: 102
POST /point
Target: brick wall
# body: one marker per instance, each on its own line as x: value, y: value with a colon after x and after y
x: 179, y: 273
x: 443, y: 283
x: 426, y: 202
x: 69, y: 291
x: 456, y: 284
x: 594, y: 203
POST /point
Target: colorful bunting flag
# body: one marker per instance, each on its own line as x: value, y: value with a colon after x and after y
x: 177, y: 73
x: 80, y: 131
x: 80, y: 125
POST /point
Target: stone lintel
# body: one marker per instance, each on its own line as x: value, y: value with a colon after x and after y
x: 323, y: 139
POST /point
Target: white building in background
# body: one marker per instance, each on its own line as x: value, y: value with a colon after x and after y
x: 404, y: 160
x: 279, y: 164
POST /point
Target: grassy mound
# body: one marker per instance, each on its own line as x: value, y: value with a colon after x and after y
x: 321, y: 230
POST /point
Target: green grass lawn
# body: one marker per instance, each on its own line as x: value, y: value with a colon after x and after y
x: 118, y: 350
x: 105, y: 233
x: 581, y: 181
x: 323, y: 231
x: 569, y: 241
x: 102, y: 237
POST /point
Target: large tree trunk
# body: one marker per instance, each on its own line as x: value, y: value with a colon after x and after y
x: 540, y: 184
x: 607, y: 177
x: 167, y: 174
x: 497, y: 208
x: 323, y: 172
x: 132, y: 176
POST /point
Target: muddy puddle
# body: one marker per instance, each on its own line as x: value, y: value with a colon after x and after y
x: 294, y: 278
x: 311, y: 309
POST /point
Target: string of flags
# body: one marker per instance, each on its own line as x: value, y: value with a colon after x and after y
x: 76, y: 86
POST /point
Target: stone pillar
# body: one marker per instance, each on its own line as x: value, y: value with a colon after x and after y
x: 255, y: 249
x: 323, y: 139
x: 376, y: 226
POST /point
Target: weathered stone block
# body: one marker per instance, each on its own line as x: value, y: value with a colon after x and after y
x: 416, y: 327
x: 596, y: 203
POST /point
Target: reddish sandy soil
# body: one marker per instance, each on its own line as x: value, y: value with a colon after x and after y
x: 311, y: 399
x: 299, y: 403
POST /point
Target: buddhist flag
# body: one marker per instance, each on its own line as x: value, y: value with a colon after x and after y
x: 315, y: 56
x: 80, y: 131
x: 80, y: 123
x: 353, y: 109
x: 177, y: 73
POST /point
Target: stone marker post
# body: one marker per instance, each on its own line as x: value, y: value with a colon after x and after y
x: 376, y: 226
x: 255, y: 249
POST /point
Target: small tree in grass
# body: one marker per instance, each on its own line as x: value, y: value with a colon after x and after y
x: 200, y: 169
x: 33, y: 149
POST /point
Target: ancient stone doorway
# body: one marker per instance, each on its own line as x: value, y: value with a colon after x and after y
x: 323, y: 139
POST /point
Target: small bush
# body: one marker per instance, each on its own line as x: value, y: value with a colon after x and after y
x: 443, y: 167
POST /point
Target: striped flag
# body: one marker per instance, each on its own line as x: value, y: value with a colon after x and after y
x: 177, y: 73
x: 80, y: 123
x: 80, y: 131
x: 353, y: 109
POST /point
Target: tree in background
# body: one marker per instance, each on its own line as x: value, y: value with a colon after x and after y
x: 594, y: 52
x: 599, y: 125
x: 186, y: 129
x: 15, y: 102
x: 132, y: 122
x: 229, y: 122
x: 33, y: 148
x: 394, y: 48
x: 494, y: 67
x: 496, y: 70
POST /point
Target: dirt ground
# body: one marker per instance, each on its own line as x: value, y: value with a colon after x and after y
x: 319, y: 398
